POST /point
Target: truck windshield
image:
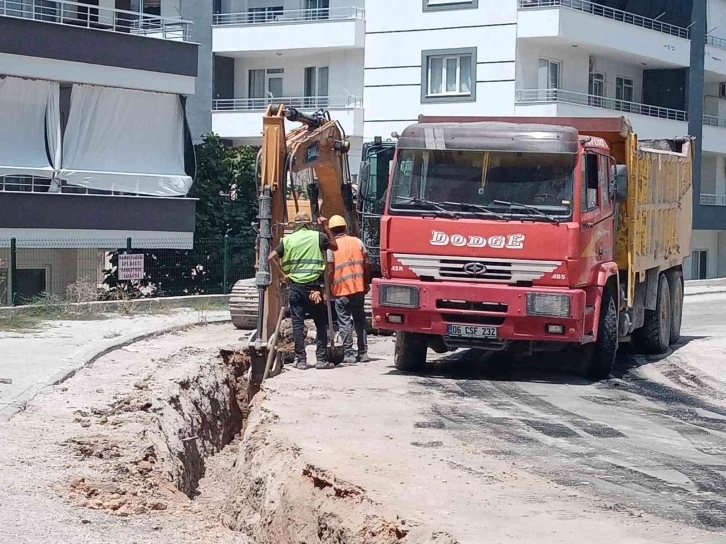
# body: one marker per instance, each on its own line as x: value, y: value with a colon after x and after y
x: 536, y: 185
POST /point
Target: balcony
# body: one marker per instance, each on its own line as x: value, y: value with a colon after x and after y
x: 65, y: 12
x: 544, y: 96
x: 713, y: 200
x: 242, y: 117
x: 648, y: 121
x: 605, y: 30
x: 60, y: 40
x: 252, y: 32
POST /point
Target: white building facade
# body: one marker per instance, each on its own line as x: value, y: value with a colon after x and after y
x: 379, y: 64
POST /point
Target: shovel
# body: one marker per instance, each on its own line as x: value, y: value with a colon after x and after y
x: 335, y: 353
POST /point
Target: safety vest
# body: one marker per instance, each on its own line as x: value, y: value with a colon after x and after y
x: 302, y: 258
x: 348, y: 277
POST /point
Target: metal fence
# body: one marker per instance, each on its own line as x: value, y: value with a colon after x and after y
x: 607, y: 12
x: 60, y: 268
x: 67, y: 12
x: 273, y: 15
x: 303, y: 102
x: 538, y: 96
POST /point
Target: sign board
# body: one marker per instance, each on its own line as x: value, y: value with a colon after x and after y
x: 131, y: 267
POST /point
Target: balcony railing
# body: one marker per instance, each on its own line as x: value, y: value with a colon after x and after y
x: 535, y: 96
x: 301, y: 102
x: 33, y: 184
x: 713, y: 121
x: 713, y: 200
x: 609, y: 13
x: 716, y: 41
x: 70, y: 13
x: 271, y: 16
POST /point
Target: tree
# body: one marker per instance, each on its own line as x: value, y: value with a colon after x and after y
x: 226, y: 188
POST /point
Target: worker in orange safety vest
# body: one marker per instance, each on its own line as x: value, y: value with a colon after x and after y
x: 350, y: 271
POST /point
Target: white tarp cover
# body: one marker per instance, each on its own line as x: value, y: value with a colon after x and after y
x: 125, y: 140
x: 28, y: 108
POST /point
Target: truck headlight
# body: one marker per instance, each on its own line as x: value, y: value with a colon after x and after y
x: 398, y: 296
x: 548, y: 305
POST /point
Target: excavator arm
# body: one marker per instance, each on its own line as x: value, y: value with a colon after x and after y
x: 319, y: 144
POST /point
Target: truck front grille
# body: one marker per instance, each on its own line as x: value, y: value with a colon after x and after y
x: 468, y: 269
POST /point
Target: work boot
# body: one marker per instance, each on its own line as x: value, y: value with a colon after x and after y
x: 349, y: 360
x: 324, y: 365
x: 301, y: 364
x: 363, y: 358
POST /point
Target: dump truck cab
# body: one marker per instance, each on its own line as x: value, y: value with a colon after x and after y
x: 501, y: 235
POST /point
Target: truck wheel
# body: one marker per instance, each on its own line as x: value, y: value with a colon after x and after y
x: 599, y: 356
x: 675, y: 282
x: 410, y: 352
x: 653, y: 338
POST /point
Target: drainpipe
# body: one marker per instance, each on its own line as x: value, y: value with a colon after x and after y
x: 695, y: 93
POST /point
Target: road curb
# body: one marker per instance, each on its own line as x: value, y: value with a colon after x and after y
x: 18, y: 404
x: 700, y: 293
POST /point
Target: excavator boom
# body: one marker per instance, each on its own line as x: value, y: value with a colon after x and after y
x: 318, y: 145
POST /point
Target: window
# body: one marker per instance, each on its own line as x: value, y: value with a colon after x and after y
x: 699, y: 264
x: 596, y: 89
x: 264, y: 85
x: 148, y: 7
x: 316, y: 86
x: 439, y: 5
x: 548, y: 78
x: 590, y: 182
x: 317, y: 9
x: 448, y: 75
x: 624, y: 92
x: 478, y: 182
x: 604, y: 181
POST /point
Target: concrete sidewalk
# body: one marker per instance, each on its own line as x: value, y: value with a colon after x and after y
x: 47, y: 356
x: 705, y: 287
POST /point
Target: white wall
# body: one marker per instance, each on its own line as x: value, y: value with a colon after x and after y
x: 170, y: 8
x: 708, y: 240
x: 394, y: 45
x: 716, y: 17
x: 345, y: 74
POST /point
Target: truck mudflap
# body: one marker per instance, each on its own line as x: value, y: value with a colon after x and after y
x: 489, y: 316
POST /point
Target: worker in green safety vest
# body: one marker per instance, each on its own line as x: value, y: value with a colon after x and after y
x: 300, y: 260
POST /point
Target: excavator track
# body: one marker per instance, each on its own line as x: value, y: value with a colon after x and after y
x: 243, y: 305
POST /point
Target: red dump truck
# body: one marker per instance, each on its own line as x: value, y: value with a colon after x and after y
x: 527, y: 235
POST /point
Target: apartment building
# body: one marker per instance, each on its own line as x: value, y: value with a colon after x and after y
x: 378, y: 64
x: 94, y: 144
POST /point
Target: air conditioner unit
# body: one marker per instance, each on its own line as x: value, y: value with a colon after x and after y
x: 722, y: 90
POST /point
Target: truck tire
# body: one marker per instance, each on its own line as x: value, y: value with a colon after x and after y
x: 599, y: 356
x: 675, y: 282
x: 410, y: 352
x: 653, y: 338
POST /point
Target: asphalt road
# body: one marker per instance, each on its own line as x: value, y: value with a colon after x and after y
x: 650, y: 439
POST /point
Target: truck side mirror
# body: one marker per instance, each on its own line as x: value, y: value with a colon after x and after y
x: 619, y: 182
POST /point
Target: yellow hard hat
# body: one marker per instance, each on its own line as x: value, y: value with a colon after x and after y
x: 337, y: 221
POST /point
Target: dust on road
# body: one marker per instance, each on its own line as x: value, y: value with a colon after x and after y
x: 141, y: 448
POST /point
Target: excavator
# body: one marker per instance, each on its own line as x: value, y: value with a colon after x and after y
x: 373, y: 182
x: 319, y: 144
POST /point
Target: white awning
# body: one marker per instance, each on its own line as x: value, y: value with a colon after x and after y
x: 29, y: 110
x: 125, y: 140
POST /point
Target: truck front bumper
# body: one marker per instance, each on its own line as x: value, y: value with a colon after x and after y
x: 504, y: 307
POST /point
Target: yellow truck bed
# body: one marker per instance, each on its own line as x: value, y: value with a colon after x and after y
x: 655, y: 221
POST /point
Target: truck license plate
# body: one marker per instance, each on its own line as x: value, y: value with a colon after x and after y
x: 472, y: 331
